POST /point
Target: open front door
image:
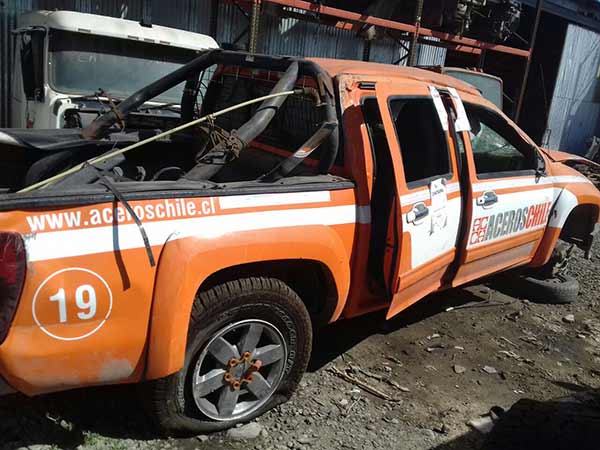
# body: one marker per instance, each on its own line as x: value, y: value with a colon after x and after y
x: 509, y: 200
x: 423, y: 230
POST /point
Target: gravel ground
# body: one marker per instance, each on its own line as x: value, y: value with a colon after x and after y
x: 415, y: 383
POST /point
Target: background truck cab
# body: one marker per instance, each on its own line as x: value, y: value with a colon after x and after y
x: 68, y: 63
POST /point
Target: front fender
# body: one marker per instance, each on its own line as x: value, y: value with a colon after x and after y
x: 567, y: 199
x: 186, y: 263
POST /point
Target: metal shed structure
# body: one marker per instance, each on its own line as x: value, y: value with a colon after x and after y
x: 574, y: 114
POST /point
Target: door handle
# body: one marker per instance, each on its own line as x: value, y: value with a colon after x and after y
x: 488, y: 198
x: 418, y: 212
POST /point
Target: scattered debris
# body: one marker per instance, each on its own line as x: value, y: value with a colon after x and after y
x: 392, y: 420
x: 305, y: 440
x: 509, y: 341
x: 483, y: 424
x: 366, y: 373
x: 202, y: 438
x: 435, y: 347
x: 459, y: 369
x: 510, y: 354
x: 486, y: 423
x: 433, y: 336
x: 569, y: 318
x: 361, y: 384
x: 442, y: 429
x: 245, y: 432
x: 394, y: 360
x: 489, y: 369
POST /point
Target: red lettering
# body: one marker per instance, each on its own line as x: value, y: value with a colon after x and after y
x: 532, y: 216
x: 480, y: 226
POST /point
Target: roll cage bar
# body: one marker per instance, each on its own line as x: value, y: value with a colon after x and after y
x: 293, y: 69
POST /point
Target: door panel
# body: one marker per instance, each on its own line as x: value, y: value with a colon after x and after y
x: 427, y: 186
x: 509, y: 204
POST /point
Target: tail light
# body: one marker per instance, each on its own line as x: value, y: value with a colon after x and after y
x: 13, y: 264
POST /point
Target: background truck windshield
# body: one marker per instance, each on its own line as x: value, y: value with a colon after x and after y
x: 82, y: 64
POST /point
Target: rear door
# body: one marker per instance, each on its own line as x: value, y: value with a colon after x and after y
x: 422, y: 237
x: 509, y: 201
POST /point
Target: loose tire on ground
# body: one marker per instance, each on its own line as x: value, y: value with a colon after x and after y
x: 234, y: 311
x: 560, y: 289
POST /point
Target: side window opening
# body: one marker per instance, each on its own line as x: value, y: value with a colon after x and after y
x: 497, y: 147
x: 423, y: 145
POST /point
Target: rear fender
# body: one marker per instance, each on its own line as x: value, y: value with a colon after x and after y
x: 186, y: 263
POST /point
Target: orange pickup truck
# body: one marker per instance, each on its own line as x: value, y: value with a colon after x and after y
x: 194, y: 247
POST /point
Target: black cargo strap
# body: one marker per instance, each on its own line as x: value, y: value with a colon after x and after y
x: 119, y: 196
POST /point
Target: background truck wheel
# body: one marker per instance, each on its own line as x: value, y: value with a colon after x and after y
x: 248, y: 346
x: 558, y: 289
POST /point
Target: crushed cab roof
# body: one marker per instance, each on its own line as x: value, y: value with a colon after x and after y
x: 337, y: 67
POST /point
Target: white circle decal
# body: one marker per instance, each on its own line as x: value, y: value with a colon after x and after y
x: 72, y: 304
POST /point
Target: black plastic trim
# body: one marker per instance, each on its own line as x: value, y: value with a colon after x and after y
x: 507, y: 174
x: 78, y: 199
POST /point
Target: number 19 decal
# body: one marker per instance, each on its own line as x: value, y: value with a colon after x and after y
x: 82, y: 304
x: 72, y: 304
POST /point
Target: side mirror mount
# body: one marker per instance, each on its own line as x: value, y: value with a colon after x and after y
x: 540, y: 168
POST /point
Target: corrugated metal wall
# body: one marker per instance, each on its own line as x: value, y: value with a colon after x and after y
x: 286, y: 36
x: 575, y: 110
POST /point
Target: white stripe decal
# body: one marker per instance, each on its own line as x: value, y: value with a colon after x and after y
x: 526, y: 182
x: 249, y: 201
x: 421, y: 196
x: 415, y: 197
x: 453, y: 187
x: 88, y: 241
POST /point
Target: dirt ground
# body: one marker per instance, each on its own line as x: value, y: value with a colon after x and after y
x: 422, y: 377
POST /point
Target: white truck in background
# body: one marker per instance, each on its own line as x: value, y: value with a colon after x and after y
x: 70, y: 67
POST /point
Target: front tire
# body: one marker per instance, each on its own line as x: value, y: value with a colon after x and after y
x: 248, y: 346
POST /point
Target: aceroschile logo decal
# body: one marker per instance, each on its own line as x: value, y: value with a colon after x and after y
x: 508, y: 222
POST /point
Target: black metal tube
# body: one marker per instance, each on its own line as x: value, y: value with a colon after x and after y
x: 98, y: 128
x: 211, y: 163
x: 265, y: 113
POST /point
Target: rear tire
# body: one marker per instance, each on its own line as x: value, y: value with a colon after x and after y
x: 209, y: 393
